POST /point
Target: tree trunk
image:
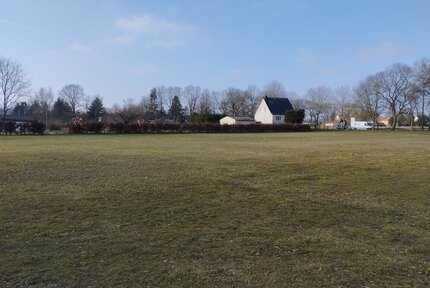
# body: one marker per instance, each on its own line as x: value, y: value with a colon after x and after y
x: 393, y: 127
x: 422, y: 112
x: 46, y: 123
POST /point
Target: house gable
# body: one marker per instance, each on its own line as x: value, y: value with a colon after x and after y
x: 263, y: 114
x: 272, y: 110
x: 227, y: 120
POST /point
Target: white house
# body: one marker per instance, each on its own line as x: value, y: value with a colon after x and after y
x: 272, y: 110
x: 233, y: 120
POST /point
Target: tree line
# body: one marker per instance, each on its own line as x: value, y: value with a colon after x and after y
x: 400, y: 91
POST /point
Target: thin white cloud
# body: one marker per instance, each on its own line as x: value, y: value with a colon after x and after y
x: 306, y: 56
x: 124, y: 39
x: 81, y: 48
x: 11, y: 23
x: 383, y: 51
x: 155, y: 31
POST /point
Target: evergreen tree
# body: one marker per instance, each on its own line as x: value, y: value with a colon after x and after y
x: 61, y: 110
x: 21, y: 109
x: 96, y: 109
x: 152, y: 106
x: 295, y: 116
x: 176, y: 111
x: 161, y: 113
x: 35, y: 110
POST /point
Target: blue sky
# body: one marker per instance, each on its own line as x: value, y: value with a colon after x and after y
x: 120, y: 49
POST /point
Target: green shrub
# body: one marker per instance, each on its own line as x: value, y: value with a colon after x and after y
x: 36, y: 128
x: 295, y: 116
x: 93, y: 127
x: 9, y: 127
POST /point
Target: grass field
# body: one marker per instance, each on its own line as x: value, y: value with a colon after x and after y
x: 338, y: 209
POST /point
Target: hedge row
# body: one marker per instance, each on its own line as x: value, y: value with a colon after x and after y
x: 22, y: 128
x: 89, y: 127
x: 139, y: 128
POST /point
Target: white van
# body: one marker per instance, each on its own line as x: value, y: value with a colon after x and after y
x: 361, y: 125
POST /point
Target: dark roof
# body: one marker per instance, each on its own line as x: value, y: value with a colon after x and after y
x: 241, y: 118
x: 19, y: 118
x: 278, y: 106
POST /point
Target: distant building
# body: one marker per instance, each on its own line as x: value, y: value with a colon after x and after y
x: 20, y: 118
x: 384, y: 121
x: 272, y: 110
x: 233, y: 120
x: 20, y: 109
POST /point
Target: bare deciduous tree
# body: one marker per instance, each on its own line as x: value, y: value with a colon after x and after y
x: 236, y: 102
x: 368, y: 95
x: 192, y: 95
x: 161, y: 95
x: 412, y: 99
x: 318, y: 103
x: 44, y: 97
x: 129, y: 112
x: 298, y: 103
x: 422, y: 82
x: 14, y: 84
x: 397, y: 87
x: 216, y: 98
x: 230, y: 102
x: 274, y: 89
x: 86, y: 101
x: 74, y: 95
x: 171, y: 92
x: 343, y: 101
x: 296, y: 100
x: 254, y: 98
x: 205, y: 104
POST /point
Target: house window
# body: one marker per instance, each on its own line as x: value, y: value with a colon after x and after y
x: 278, y: 118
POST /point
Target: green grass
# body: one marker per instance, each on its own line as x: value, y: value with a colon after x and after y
x: 339, y: 209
